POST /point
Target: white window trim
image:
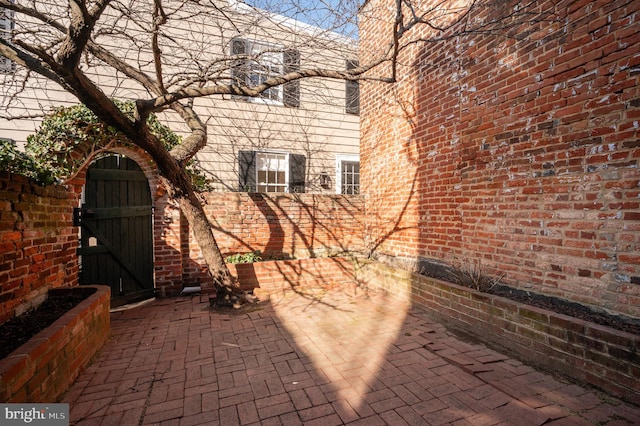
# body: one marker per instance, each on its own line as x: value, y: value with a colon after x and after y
x: 339, y: 159
x: 286, y: 170
x: 263, y: 101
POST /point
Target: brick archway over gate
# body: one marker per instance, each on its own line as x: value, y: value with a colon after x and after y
x: 167, y: 257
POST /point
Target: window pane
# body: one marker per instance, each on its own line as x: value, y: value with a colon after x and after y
x: 266, y: 64
x: 271, y: 172
x: 350, y: 177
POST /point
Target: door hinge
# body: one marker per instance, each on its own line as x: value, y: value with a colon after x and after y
x: 81, y: 213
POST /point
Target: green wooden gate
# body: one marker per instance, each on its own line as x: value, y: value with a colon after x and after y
x: 116, y: 230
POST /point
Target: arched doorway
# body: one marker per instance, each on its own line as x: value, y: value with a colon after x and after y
x: 116, y: 229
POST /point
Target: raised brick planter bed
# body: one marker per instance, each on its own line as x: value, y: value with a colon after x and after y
x: 601, y: 356
x: 42, y: 369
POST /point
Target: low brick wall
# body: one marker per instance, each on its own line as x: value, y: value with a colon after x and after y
x: 42, y: 369
x: 38, y: 242
x: 601, y: 356
x: 287, y: 225
x: 281, y: 275
x: 279, y: 226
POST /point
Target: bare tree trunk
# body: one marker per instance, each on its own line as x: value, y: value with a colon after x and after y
x: 181, y: 189
x: 193, y: 211
x: 176, y: 178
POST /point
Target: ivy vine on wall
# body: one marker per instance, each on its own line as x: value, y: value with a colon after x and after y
x: 71, y: 137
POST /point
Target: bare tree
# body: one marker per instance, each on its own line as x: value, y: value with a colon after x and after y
x: 166, y: 55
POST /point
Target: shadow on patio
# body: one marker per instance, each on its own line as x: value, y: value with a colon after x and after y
x: 331, y: 359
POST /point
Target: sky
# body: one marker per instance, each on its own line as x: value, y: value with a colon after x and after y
x: 335, y: 15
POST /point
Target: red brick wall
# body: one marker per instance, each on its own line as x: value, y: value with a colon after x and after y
x: 37, y: 242
x: 281, y: 275
x: 523, y: 153
x: 279, y: 226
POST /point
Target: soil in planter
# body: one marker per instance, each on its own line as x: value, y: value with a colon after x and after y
x: 19, y: 330
x: 554, y: 304
x: 572, y: 309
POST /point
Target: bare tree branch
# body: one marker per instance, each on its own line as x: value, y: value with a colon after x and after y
x: 79, y: 31
x: 31, y: 58
x: 178, y: 57
x: 159, y: 19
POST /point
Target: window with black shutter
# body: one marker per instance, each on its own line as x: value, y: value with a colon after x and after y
x: 292, y: 89
x: 267, y: 172
x: 239, y: 66
x: 6, y: 26
x: 352, y: 92
x: 297, y: 173
x: 258, y: 62
x: 247, y: 171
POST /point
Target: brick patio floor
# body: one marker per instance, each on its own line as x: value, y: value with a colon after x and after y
x: 325, y: 359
